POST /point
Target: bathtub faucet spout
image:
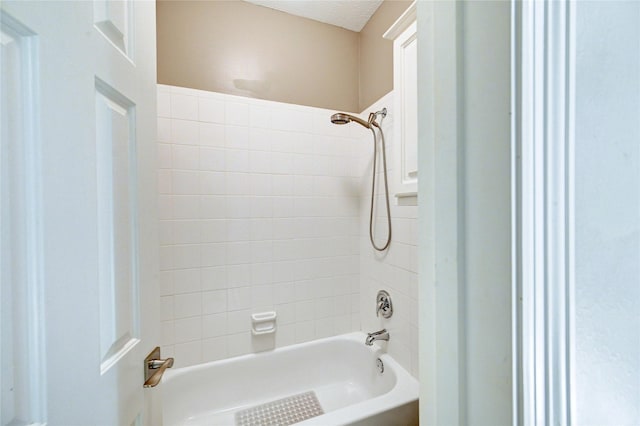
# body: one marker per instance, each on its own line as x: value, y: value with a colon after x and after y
x: 377, y: 335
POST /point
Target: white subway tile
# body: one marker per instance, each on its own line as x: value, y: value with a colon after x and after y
x: 166, y: 308
x: 164, y: 182
x: 189, y: 353
x: 303, y: 186
x: 262, y: 229
x: 214, y: 278
x: 262, y: 207
x: 214, y: 349
x: 285, y: 335
x: 261, y: 273
x: 286, y: 313
x: 236, y: 113
x: 262, y: 295
x: 186, y: 232
x: 239, y: 344
x: 303, y: 143
x: 323, y: 307
x: 238, y: 275
x: 261, y: 251
x: 164, y: 130
x: 239, y: 321
x: 213, y: 231
x: 237, y: 137
x: 187, y: 305
x: 238, y: 183
x: 261, y: 184
x: 214, y: 325
x: 282, y: 184
x: 211, y: 135
x: 186, y: 281
x: 184, y: 182
x: 303, y: 290
x: 305, y: 331
x: 283, y: 207
x: 259, y: 116
x: 237, y: 160
x: 324, y: 328
x: 167, y: 333
x: 164, y: 104
x: 260, y: 162
x: 184, y: 132
x: 282, y: 164
x: 342, y: 324
x: 238, y: 207
x: 239, y: 298
x: 185, y: 206
x: 238, y: 252
x: 213, y: 207
x: 211, y: 110
x: 212, y: 183
x: 238, y: 230
x: 214, y: 254
x: 166, y: 283
x: 164, y: 156
x: 166, y: 258
x: 184, y: 107
x: 284, y: 293
x: 214, y: 302
x: 304, y: 310
x: 260, y: 139
x: 188, y: 329
x: 211, y: 159
x: 282, y: 271
x: 186, y: 256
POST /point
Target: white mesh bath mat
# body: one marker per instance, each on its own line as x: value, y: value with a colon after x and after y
x: 285, y: 411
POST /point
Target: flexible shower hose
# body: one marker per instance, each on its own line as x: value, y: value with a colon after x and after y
x: 373, y: 188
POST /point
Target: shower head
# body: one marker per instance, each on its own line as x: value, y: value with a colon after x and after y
x: 344, y: 118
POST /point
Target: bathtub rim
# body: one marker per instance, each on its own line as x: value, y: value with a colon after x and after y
x: 404, y: 391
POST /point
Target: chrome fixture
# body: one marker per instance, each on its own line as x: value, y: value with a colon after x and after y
x: 344, y: 118
x: 383, y: 305
x: 377, y: 335
x: 154, y: 368
x: 380, y: 365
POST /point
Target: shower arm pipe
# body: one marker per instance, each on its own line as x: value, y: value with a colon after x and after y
x: 373, y: 184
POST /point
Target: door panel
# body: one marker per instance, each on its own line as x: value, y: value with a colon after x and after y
x: 95, y: 106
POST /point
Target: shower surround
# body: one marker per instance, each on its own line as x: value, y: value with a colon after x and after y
x: 260, y: 210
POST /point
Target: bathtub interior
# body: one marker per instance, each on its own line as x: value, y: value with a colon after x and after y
x: 341, y: 371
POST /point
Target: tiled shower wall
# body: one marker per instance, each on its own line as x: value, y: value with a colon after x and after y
x: 395, y: 269
x: 265, y: 206
x: 260, y: 211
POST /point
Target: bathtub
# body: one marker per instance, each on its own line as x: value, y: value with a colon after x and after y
x: 342, y: 372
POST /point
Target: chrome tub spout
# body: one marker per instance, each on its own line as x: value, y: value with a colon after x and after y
x: 377, y: 335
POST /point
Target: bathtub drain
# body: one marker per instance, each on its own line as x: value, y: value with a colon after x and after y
x: 285, y: 411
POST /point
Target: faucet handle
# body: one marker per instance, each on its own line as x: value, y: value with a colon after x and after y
x: 383, y: 304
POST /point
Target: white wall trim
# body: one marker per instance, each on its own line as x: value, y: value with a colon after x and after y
x: 31, y: 184
x: 441, y: 215
x: 543, y: 101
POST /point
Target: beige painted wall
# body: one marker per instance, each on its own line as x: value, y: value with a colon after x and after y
x: 239, y: 48
x: 376, y: 53
x: 242, y: 49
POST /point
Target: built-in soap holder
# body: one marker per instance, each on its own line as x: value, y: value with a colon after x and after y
x: 263, y: 323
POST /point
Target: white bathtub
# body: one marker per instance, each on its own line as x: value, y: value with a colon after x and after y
x: 340, y: 370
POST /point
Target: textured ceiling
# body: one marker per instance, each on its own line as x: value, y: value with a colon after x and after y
x: 349, y: 14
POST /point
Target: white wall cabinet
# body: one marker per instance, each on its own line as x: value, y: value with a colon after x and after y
x: 405, y: 83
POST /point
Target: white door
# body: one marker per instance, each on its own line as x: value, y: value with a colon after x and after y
x: 87, y: 72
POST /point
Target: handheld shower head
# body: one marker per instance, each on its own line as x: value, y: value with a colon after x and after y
x: 344, y: 118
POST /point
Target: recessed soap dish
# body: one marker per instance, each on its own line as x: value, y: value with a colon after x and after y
x: 263, y: 323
